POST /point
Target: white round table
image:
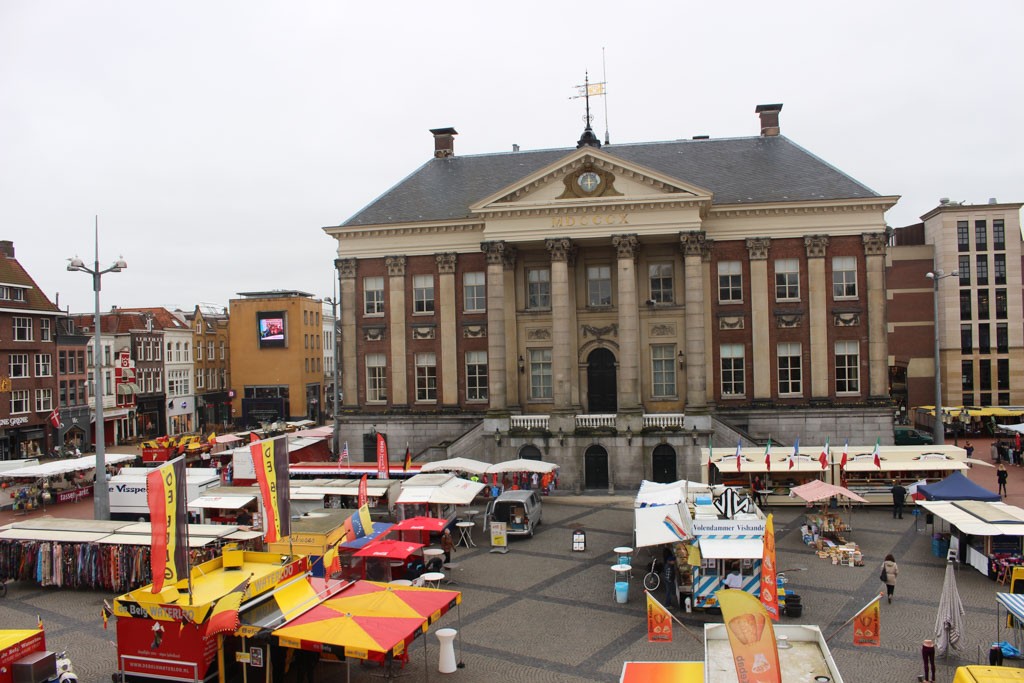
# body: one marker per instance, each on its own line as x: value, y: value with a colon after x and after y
x: 400, y: 582
x: 434, y: 578
x: 465, y: 534
x: 621, y: 574
x: 470, y: 513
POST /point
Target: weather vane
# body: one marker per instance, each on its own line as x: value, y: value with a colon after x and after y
x: 588, y: 90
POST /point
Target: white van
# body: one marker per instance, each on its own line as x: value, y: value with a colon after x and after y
x: 519, y: 510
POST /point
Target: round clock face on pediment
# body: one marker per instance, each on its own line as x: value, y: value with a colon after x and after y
x: 588, y: 181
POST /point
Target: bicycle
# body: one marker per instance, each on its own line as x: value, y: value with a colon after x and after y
x: 652, y: 579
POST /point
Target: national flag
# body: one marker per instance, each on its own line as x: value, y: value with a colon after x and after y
x: 867, y: 625
x: 846, y: 453
x: 659, y: 622
x: 107, y: 612
x: 343, y: 458
x: 358, y: 528
x: 55, y: 418
x: 407, y: 463
x: 877, y: 453
x: 270, y: 461
x: 796, y: 452
x: 739, y: 455
x: 823, y: 457
x: 365, y: 520
x: 253, y: 437
x: 768, y: 455
x: 751, y: 636
x: 769, y: 585
x: 39, y: 622
x: 362, y: 496
x: 212, y: 439
x: 382, y: 457
x: 224, y: 615
x: 331, y: 560
x: 166, y: 498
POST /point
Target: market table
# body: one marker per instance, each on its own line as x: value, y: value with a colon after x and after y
x: 624, y: 555
x: 434, y: 578
x: 621, y: 574
x: 465, y: 534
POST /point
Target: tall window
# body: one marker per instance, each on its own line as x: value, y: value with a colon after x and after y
x: 1002, y: 338
x: 966, y: 339
x: 985, y: 375
x: 476, y: 375
x: 423, y: 293
x: 980, y: 235
x: 222, y: 350
x: 22, y: 329
x: 599, y: 285
x: 965, y: 304
x: 200, y: 379
x: 1000, y: 304
x: 964, y: 270
x: 426, y: 377
x: 44, y: 365
x: 844, y: 277
x: 733, y: 370
x: 209, y: 349
x: 963, y: 236
x: 967, y: 375
x: 44, y: 329
x: 540, y: 374
x: 19, y: 401
x: 984, y: 338
x: 982, y: 304
x: 787, y: 279
x: 982, y: 264
x: 847, y: 367
x: 474, y: 292
x: 660, y: 275
x: 376, y: 378
x: 199, y: 351
x: 19, y: 365
x: 790, y: 369
x: 998, y: 234
x: 44, y: 400
x: 663, y: 371
x: 538, y: 288
x: 999, y: 268
x: 730, y: 282
x: 1003, y: 374
x: 373, y: 295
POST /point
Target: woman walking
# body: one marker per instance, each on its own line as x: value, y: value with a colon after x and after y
x: 890, y: 570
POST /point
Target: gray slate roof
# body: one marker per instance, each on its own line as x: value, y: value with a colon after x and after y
x: 736, y: 170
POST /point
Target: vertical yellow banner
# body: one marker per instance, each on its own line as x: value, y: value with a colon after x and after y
x: 751, y: 637
x: 769, y: 572
x: 659, y: 622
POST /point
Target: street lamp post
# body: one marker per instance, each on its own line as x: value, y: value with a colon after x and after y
x: 939, y: 430
x: 334, y: 350
x: 101, y: 496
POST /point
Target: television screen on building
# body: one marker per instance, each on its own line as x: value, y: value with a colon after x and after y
x: 271, y: 329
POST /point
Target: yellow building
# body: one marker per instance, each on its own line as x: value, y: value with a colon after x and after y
x: 276, y: 363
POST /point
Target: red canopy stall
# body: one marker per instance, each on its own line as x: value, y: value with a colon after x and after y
x: 388, y: 559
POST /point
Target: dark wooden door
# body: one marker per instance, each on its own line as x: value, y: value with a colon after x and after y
x: 601, y: 382
x: 595, y: 468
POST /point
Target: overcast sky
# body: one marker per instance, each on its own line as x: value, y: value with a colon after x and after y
x: 216, y: 139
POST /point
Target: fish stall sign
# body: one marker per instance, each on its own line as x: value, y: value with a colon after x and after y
x: 726, y: 546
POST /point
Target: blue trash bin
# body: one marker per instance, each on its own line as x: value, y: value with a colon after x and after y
x: 621, y: 591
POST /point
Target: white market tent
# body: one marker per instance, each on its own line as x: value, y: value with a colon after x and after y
x: 438, y: 489
x: 978, y: 518
x: 651, y: 528
x: 57, y: 467
x: 467, y: 465
x: 654, y: 493
x: 523, y: 465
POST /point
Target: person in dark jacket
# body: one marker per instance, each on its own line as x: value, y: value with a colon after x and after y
x: 1001, y: 476
x: 899, y: 495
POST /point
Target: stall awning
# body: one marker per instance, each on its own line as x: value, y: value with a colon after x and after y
x: 964, y: 515
x: 731, y: 548
x: 392, y: 550
x: 1013, y: 602
x: 660, y: 524
x: 221, y: 502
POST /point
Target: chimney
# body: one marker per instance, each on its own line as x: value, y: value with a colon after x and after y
x: 444, y: 142
x: 769, y: 119
x: 7, y: 248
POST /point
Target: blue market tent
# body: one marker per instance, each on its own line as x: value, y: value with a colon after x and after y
x: 957, y: 487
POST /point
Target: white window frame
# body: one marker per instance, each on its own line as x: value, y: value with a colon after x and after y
x: 599, y: 286
x: 22, y: 329
x: 44, y: 365
x: 373, y: 295
x: 199, y: 351
x: 733, y: 362
x: 787, y: 279
x: 790, y: 377
x: 376, y: 378
x: 20, y: 401
x: 844, y: 277
x: 423, y: 294
x: 848, y: 359
x: 541, y: 378
x: 44, y: 330
x: 476, y: 376
x: 44, y: 400
x: 200, y: 384
x: 19, y: 362
x: 538, y: 289
x: 661, y: 281
x: 474, y: 292
x: 426, y: 377
x: 663, y: 371
x: 730, y: 282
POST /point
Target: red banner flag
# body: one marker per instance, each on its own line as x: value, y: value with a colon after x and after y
x: 55, y: 418
x: 166, y: 496
x: 270, y: 460
x: 659, y: 622
x: 769, y: 571
x: 362, y: 495
x: 382, y: 457
x: 253, y: 438
x: 867, y: 625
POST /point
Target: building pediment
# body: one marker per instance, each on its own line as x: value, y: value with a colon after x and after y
x: 590, y: 177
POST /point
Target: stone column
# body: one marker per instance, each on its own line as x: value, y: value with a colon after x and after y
x: 513, y: 380
x: 496, y: 357
x: 562, y: 359
x: 696, y: 339
x: 397, y: 333
x: 817, y: 303
x: 349, y: 357
x: 762, y: 292
x: 447, y: 307
x: 878, y: 347
x: 629, y: 323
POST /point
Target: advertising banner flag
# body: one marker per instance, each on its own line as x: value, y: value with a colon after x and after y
x: 659, y: 622
x: 270, y: 461
x: 166, y: 496
x: 382, y: 457
x: 867, y: 625
x: 751, y: 637
x: 362, y: 495
x: 769, y: 572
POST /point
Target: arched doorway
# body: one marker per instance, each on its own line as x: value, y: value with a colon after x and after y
x: 663, y: 464
x: 595, y: 468
x: 601, y: 382
x: 530, y: 452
